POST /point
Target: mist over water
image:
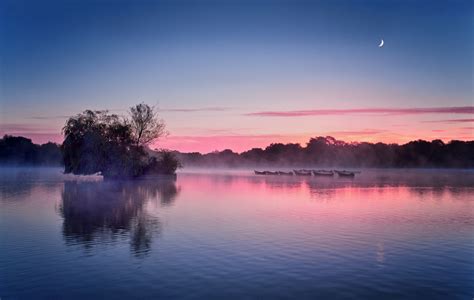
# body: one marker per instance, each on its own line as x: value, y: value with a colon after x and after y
x: 228, y: 233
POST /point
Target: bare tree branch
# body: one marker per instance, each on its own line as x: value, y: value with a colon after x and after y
x: 146, y: 126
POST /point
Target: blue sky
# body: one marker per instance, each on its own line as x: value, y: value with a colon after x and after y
x: 222, y: 61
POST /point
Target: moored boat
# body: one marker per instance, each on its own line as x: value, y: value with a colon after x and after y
x: 323, y: 173
x: 345, y: 173
x: 302, y: 172
x: 271, y: 173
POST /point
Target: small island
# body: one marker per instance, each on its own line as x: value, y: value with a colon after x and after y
x: 116, y: 146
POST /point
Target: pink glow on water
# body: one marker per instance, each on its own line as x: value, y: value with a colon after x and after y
x: 382, y: 224
x: 333, y: 203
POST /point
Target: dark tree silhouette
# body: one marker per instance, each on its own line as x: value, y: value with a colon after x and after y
x: 327, y: 151
x: 145, y: 125
x: 89, y: 152
x: 16, y: 150
x: 96, y: 141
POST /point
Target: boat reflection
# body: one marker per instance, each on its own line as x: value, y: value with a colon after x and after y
x: 104, y: 212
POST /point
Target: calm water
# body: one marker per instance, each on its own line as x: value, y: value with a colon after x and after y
x: 385, y: 234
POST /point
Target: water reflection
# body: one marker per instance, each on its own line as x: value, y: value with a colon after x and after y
x: 102, y: 212
x: 375, y: 178
x: 383, y: 234
x: 19, y: 183
x: 380, y: 253
x: 420, y: 184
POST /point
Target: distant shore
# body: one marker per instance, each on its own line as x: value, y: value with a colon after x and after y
x: 319, y: 152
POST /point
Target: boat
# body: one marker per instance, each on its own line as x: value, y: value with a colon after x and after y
x: 323, y: 173
x: 302, y: 172
x: 271, y: 173
x: 345, y: 173
x: 285, y: 173
x: 265, y: 173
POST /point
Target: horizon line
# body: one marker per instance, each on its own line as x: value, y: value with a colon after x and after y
x: 271, y: 143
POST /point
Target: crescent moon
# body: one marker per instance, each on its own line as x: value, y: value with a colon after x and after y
x: 381, y: 44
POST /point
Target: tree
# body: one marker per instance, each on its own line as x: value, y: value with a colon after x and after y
x: 164, y: 163
x: 96, y: 141
x: 145, y: 124
x: 17, y: 150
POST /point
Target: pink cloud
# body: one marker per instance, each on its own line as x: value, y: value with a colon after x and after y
x: 356, y: 132
x: 451, y: 121
x: 24, y: 128
x: 50, y: 117
x: 372, y: 111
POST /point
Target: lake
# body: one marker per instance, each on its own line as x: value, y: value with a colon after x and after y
x: 387, y: 234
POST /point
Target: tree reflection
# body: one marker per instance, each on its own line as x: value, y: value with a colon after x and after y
x: 103, y: 212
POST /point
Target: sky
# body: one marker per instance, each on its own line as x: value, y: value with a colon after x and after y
x: 242, y: 74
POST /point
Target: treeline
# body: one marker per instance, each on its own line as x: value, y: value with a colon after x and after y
x: 329, y: 152
x: 17, y: 150
x: 319, y: 151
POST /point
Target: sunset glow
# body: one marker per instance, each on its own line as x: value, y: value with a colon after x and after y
x: 286, y: 74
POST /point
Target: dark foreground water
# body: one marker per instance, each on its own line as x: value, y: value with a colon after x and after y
x: 384, y: 235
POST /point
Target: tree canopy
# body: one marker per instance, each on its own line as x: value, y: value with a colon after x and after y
x: 329, y: 152
x: 96, y: 141
x: 17, y: 150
